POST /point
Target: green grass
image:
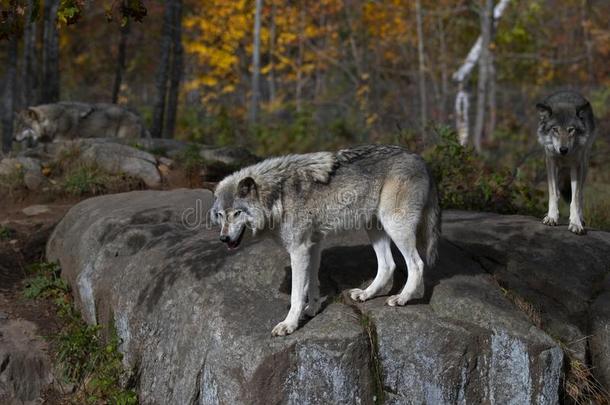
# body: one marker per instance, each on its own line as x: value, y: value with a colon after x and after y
x: 84, y: 180
x: 597, y: 206
x: 88, y: 357
x: 13, y: 182
x: 6, y: 233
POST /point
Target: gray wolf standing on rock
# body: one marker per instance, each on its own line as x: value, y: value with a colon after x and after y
x: 299, y: 199
x: 566, y: 130
x: 71, y: 120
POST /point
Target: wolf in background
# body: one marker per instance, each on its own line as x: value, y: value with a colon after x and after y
x: 298, y: 199
x: 566, y: 130
x: 70, y: 120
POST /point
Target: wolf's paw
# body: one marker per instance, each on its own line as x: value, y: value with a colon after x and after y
x: 283, y: 328
x: 578, y: 229
x: 358, y: 295
x: 550, y: 221
x: 396, y: 300
x: 312, y: 308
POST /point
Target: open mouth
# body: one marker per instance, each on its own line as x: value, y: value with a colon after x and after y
x: 233, y: 244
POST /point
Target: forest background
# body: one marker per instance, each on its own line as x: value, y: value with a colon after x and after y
x: 297, y: 76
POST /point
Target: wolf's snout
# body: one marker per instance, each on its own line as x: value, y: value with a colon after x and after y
x: 224, y: 238
x: 563, y: 150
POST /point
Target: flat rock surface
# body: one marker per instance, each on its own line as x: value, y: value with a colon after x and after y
x: 506, y: 297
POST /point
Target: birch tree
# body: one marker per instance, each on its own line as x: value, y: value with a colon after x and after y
x: 462, y: 75
x: 482, y: 83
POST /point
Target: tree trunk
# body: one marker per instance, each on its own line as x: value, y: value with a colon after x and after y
x: 120, y: 64
x: 272, y: 56
x: 10, y: 93
x: 486, y: 23
x: 492, y: 101
x: 162, y: 74
x: 256, y: 63
x: 444, y: 71
x: 422, y: 68
x: 462, y: 75
x: 299, y: 84
x: 462, y: 111
x: 29, y: 74
x: 50, y: 54
x: 176, y: 70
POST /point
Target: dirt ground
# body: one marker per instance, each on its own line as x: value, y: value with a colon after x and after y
x: 22, y: 243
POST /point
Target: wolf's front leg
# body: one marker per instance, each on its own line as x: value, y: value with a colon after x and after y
x: 552, y: 217
x: 300, y: 258
x: 577, y: 176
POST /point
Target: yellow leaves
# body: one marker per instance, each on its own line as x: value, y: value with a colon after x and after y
x: 371, y: 119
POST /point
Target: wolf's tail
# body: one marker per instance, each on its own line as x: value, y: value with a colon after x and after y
x: 429, y: 231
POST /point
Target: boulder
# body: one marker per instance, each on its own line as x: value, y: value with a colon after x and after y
x: 25, y: 366
x: 117, y: 158
x: 195, y: 319
x: 148, y: 159
x: 29, y: 168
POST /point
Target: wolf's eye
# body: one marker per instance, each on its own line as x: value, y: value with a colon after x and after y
x: 555, y: 130
x: 236, y: 213
x: 571, y: 130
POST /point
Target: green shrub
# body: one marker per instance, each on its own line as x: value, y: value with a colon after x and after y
x: 45, y: 283
x: 6, y: 233
x: 466, y: 182
x: 87, y: 357
x: 191, y: 160
x: 13, y: 182
x: 84, y: 180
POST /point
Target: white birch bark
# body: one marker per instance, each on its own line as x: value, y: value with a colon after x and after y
x: 462, y: 75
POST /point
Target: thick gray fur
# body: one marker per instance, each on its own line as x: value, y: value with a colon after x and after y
x: 299, y: 199
x: 70, y: 120
x: 566, y: 130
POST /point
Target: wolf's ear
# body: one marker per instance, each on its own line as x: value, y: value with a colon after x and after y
x: 33, y: 113
x: 581, y: 110
x: 544, y: 110
x: 246, y: 188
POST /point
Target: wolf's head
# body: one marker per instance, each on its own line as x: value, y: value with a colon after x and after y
x: 563, y: 127
x: 237, y: 207
x: 32, y: 126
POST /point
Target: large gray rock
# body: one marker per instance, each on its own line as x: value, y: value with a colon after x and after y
x: 27, y: 168
x: 25, y: 365
x: 195, y: 319
x: 560, y: 274
x: 114, y: 157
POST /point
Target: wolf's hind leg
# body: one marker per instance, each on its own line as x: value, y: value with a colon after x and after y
x: 403, y: 233
x: 313, y: 282
x: 385, y: 264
